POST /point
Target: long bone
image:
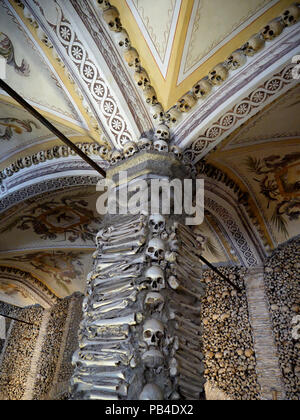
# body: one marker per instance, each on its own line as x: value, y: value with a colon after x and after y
x: 104, y: 357
x: 183, y: 372
x: 188, y: 323
x: 189, y: 329
x: 112, y: 362
x: 190, y: 366
x: 188, y: 355
x: 128, y: 295
x: 114, y: 292
x: 89, y: 378
x: 127, y: 320
x: 195, y: 281
x: 122, y: 264
x: 106, y: 258
x: 190, y: 389
x: 104, y: 350
x: 121, y: 304
x: 120, y: 289
x: 186, y: 335
x: 124, y: 247
x: 83, y: 387
x: 107, y: 388
x: 190, y: 268
x: 107, y: 333
x: 190, y: 377
x: 189, y: 351
x: 133, y: 221
x: 100, y: 396
x: 86, y: 343
x: 175, y: 285
x: 101, y: 375
x: 128, y: 235
x: 119, y: 228
x: 118, y: 273
x: 130, y: 274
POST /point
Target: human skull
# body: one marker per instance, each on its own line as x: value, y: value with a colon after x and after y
x: 236, y: 60
x: 157, y: 112
x: 27, y: 161
x: 202, y: 88
x: 103, y: 152
x: 141, y: 77
x: 161, y: 146
x: 291, y: 15
x: 154, y: 301
x: 144, y: 144
x: 130, y: 149
x: 162, y: 132
x: 186, y: 102
x: 273, y: 29
x: 19, y: 163
x: 157, y: 223
x: 122, y: 39
x: 150, y: 95
x: 41, y: 156
x: 153, y: 358
x: 131, y: 57
x: 155, y: 278
x: 44, y: 37
x: 94, y: 149
x: 8, y: 171
x: 255, y: 44
x: 49, y: 154
x: 63, y: 151
x: 218, y: 74
x: 14, y: 168
x: 153, y: 332
x: 156, y: 249
x: 84, y: 147
x: 55, y: 152
x: 112, y: 18
x: 151, y: 392
x: 3, y: 175
x: 104, y: 4
x: 27, y: 13
x: 172, y: 116
x: 34, y: 158
x: 177, y: 151
x: 115, y: 157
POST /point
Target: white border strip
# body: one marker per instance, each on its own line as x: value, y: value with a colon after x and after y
x: 182, y: 74
x: 162, y: 64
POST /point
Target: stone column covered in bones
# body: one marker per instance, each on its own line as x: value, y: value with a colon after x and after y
x: 140, y: 336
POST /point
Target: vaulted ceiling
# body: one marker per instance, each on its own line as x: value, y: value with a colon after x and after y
x: 242, y: 135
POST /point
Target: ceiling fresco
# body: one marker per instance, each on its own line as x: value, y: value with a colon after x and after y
x: 55, y: 239
x: 196, y: 36
x: 241, y: 133
x: 264, y: 156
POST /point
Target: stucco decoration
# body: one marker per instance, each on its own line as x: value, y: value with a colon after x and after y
x: 7, y: 51
x: 11, y: 126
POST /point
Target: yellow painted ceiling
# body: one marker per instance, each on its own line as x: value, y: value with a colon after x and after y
x: 180, y: 41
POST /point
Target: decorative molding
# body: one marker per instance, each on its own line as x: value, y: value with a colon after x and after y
x: 37, y: 290
x: 115, y: 63
x: 46, y: 186
x: 82, y: 68
x: 239, y: 113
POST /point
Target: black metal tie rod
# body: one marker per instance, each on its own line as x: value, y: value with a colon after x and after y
x: 219, y: 273
x: 19, y: 320
x: 50, y: 126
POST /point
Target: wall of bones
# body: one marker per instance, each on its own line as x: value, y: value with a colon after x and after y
x: 37, y: 362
